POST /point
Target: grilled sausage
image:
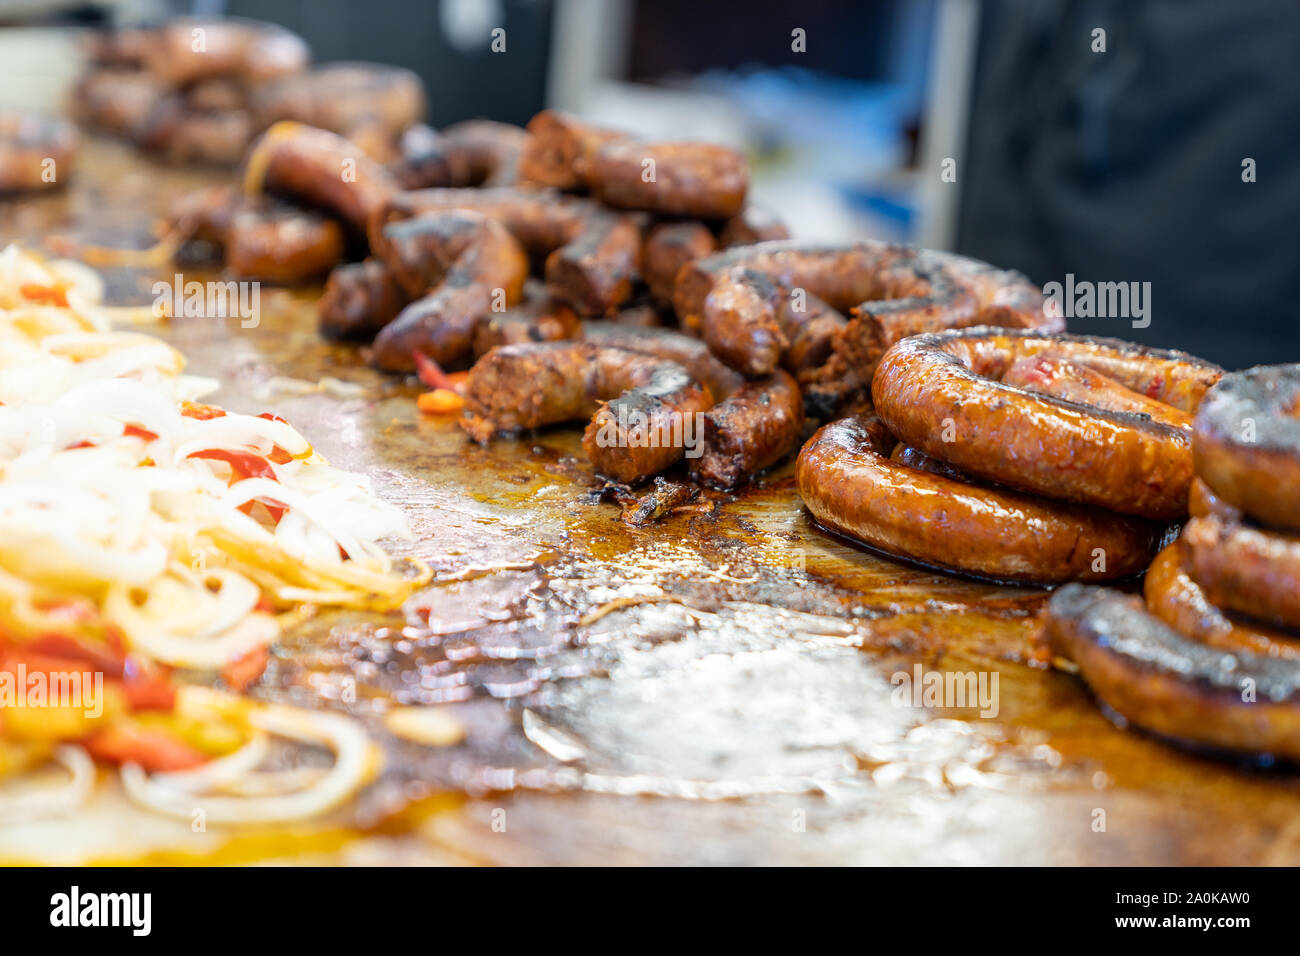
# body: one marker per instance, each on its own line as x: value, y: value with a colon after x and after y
x: 540, y: 319
x: 851, y: 486
x: 1246, y: 569
x: 1246, y: 443
x: 942, y: 393
x: 282, y: 245
x: 473, y: 153
x: 36, y: 152
x: 345, y: 97
x: 184, y: 51
x: 463, y: 267
x: 734, y: 297
x: 1055, y: 375
x: 1161, y: 681
x: 560, y: 149
x: 319, y: 168
x: 591, y: 255
x: 595, y: 273
x: 360, y: 298
x: 643, y: 410
x: 688, y: 352
x: 699, y: 180
x: 1174, y: 597
x: 668, y: 247
x: 754, y: 427
x: 541, y: 219
x: 116, y: 101
x: 183, y: 136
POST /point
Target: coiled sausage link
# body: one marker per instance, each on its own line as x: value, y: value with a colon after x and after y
x: 734, y: 297
x: 1247, y: 443
x: 850, y: 484
x: 643, y: 409
x: 1161, y: 681
x: 1246, y: 569
x: 1174, y: 596
x: 942, y: 393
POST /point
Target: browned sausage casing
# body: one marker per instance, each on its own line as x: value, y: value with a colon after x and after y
x: 668, y: 247
x: 560, y: 149
x: 734, y: 297
x: 1247, y: 443
x: 540, y: 319
x: 851, y: 485
x: 595, y: 273
x: 754, y: 427
x: 470, y: 267
x: 282, y: 245
x: 687, y: 351
x: 699, y: 180
x: 1160, y: 680
x: 645, y: 409
x: 360, y: 298
x: 942, y: 393
x: 29, y: 143
x: 319, y: 168
x: 1246, y: 569
x: 1174, y: 597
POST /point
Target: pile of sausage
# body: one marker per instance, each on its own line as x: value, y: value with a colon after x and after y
x: 36, y: 152
x: 1213, y: 657
x: 554, y: 259
x: 199, y: 91
x: 1012, y: 454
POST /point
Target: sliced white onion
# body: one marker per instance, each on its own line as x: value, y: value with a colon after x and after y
x: 54, y: 801
x: 354, y: 761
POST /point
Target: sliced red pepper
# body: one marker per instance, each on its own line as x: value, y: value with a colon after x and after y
x: 45, y: 294
x: 245, y: 671
x: 430, y: 372
x: 278, y: 454
x: 109, y: 660
x: 149, y: 690
x: 201, y: 412
x: 154, y: 750
x: 135, y: 431
x: 244, y: 464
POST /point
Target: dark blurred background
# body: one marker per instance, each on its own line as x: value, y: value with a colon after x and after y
x: 1118, y: 161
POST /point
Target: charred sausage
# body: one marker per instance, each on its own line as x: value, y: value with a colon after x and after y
x: 643, y: 410
x: 943, y: 394
x: 1246, y: 443
x: 1160, y: 680
x: 852, y: 486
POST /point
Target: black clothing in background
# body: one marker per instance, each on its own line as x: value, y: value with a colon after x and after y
x: 1127, y: 165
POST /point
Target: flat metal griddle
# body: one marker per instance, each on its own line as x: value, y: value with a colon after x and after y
x: 715, y: 688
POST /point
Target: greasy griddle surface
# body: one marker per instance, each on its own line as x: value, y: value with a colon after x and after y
x: 712, y: 689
